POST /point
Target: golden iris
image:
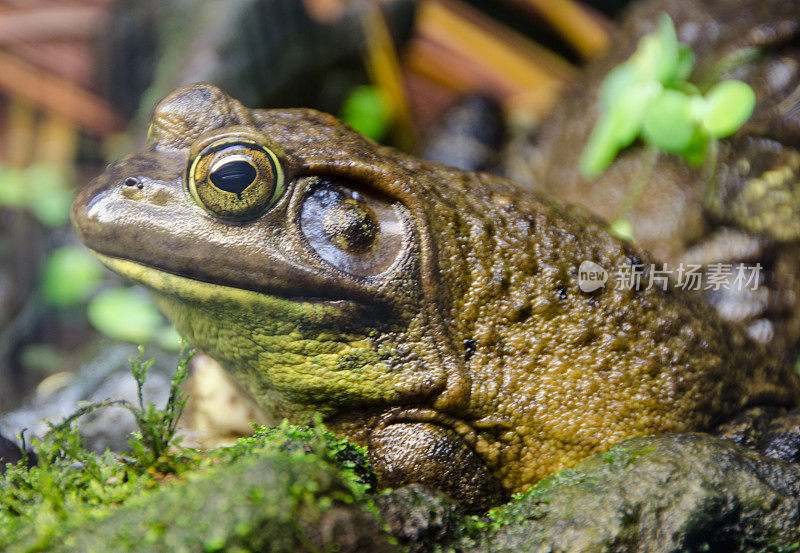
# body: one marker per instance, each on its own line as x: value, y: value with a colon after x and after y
x: 235, y: 178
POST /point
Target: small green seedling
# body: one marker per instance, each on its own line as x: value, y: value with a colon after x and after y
x: 649, y: 97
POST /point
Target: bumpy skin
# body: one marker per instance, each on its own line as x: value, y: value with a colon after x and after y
x: 470, y: 345
x: 754, y: 184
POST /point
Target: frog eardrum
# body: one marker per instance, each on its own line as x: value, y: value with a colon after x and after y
x: 357, y: 232
x: 234, y: 176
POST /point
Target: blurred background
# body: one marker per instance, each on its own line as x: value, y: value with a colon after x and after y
x: 78, y: 79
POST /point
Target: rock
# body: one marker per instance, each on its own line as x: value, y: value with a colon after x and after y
x: 687, y: 492
x: 418, y: 517
x: 266, y: 503
x: 283, y: 491
x: 106, y: 375
x: 748, y: 427
x: 218, y: 411
x: 11, y: 453
x: 770, y: 430
x: 781, y: 440
x: 468, y: 136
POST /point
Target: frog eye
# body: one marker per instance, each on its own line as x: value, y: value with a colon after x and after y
x: 235, y: 178
x: 357, y: 232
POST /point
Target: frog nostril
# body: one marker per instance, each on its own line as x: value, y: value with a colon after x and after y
x: 133, y: 181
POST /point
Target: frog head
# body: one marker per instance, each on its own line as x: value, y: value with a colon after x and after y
x: 282, y: 243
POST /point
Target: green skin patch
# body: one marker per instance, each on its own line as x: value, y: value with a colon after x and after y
x: 281, y: 349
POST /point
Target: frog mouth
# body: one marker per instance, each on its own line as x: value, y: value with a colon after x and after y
x: 193, y: 289
x: 148, y: 234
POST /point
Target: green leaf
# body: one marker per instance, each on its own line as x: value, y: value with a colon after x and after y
x: 628, y: 112
x: 70, y: 275
x: 622, y: 228
x: 42, y: 189
x: 667, y: 64
x: 658, y: 55
x: 669, y: 124
x: 617, y: 127
x: 125, y: 314
x: 44, y: 358
x: 695, y: 152
x: 617, y: 81
x: 730, y: 105
x: 52, y: 209
x: 367, y: 112
x: 686, y: 60
x: 649, y: 95
x: 169, y: 339
x: 600, y: 150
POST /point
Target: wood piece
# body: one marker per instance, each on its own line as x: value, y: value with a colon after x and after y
x: 584, y: 29
x: 51, y: 23
x: 71, y: 60
x: 324, y: 11
x: 58, y: 95
x: 427, y: 99
x: 384, y: 69
x: 20, y: 132
x: 57, y: 141
x: 471, y: 29
x: 459, y: 48
x: 461, y: 75
x: 455, y: 71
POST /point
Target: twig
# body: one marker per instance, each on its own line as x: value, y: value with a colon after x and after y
x: 51, y: 23
x: 58, y: 95
x: 584, y: 30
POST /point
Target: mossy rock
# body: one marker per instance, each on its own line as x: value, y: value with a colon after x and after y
x: 288, y: 489
x: 687, y: 493
x: 296, y: 489
x: 268, y: 502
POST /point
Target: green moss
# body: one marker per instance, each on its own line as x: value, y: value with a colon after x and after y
x: 623, y: 455
x: 286, y: 474
x: 316, y: 441
x: 160, y: 491
x: 71, y: 485
x: 519, y: 509
x: 532, y: 504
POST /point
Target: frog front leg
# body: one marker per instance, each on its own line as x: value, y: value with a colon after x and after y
x: 435, y: 456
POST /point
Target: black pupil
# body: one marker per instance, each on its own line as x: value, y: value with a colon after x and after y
x: 233, y: 176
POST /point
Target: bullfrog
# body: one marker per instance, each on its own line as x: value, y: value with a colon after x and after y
x: 433, y: 316
x: 743, y: 206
